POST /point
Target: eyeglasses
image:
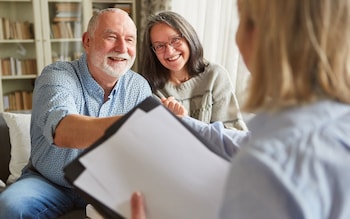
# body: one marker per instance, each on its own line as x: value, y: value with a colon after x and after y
x: 173, y: 42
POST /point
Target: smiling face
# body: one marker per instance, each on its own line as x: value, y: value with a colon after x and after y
x: 174, y: 59
x: 111, y: 47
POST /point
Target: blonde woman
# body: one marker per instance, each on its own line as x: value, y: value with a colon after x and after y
x: 295, y: 164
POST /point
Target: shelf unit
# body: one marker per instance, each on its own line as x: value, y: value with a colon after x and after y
x: 17, y: 48
x: 56, y: 27
x: 127, y: 5
x: 66, y: 21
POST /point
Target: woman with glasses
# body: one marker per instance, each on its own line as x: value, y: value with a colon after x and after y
x: 172, y: 61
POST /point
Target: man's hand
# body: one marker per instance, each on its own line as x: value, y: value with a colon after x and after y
x: 137, y: 206
x: 174, y: 106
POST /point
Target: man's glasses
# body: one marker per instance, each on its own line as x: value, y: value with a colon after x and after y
x: 173, y: 42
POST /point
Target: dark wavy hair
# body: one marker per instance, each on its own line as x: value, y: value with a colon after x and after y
x: 150, y: 67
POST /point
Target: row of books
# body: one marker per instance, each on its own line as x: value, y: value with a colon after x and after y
x: 124, y: 6
x: 67, y: 21
x: 18, y: 100
x: 66, y: 30
x: 67, y: 11
x: 14, y: 66
x: 15, y: 29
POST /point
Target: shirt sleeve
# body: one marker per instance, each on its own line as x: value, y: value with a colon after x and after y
x: 225, y: 142
x: 54, y: 98
x: 256, y: 189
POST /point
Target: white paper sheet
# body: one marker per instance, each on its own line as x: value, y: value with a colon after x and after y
x: 155, y: 154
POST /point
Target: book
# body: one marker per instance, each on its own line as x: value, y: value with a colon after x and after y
x: 67, y: 6
x: 18, y: 66
x: 8, y: 66
x: 152, y: 151
x: 27, y: 99
x: 6, y: 102
x: 18, y: 100
x: 2, y: 28
x: 7, y: 29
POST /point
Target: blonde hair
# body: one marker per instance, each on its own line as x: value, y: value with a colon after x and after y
x: 301, y: 52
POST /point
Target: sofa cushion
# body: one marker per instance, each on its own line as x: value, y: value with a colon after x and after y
x: 19, y: 126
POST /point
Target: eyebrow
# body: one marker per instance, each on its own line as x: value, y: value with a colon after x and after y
x: 109, y: 31
x: 169, y: 38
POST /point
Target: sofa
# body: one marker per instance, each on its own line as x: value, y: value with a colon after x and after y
x: 5, y: 153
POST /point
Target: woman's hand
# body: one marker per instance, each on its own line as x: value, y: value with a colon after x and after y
x: 177, y: 108
x: 137, y: 206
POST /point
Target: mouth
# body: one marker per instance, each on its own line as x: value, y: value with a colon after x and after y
x: 118, y: 59
x: 174, y: 58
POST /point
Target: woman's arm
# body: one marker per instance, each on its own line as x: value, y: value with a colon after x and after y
x: 224, y: 142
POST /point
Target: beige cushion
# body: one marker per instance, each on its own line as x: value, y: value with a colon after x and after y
x: 19, y: 126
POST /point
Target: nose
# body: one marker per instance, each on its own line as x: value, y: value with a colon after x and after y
x: 169, y: 47
x: 120, y: 46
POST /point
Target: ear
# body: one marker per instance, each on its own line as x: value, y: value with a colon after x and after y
x: 86, y: 40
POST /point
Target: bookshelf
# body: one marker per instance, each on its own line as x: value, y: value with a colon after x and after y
x: 66, y: 22
x: 128, y: 6
x: 35, y: 33
x: 20, y: 45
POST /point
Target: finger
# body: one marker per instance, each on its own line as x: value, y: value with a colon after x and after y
x: 177, y: 107
x: 172, y: 105
x: 137, y: 206
x: 171, y: 98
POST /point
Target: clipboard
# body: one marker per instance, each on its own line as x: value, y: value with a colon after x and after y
x: 76, y: 168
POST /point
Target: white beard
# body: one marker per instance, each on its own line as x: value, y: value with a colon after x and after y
x: 119, y: 70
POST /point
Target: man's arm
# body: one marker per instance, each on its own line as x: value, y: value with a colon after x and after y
x: 79, y: 131
x: 90, y: 129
